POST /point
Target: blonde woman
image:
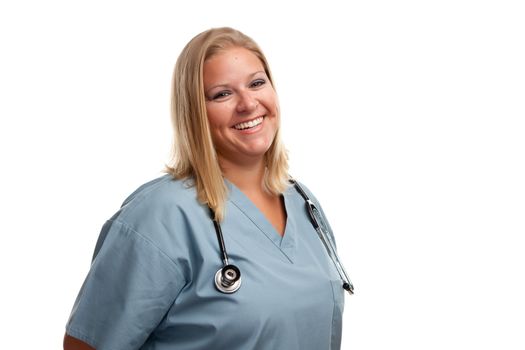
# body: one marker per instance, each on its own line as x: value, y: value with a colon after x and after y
x: 219, y: 253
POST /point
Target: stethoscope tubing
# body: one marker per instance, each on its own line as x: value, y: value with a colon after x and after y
x: 325, y: 237
x: 332, y: 253
x: 228, y: 277
x: 220, y: 239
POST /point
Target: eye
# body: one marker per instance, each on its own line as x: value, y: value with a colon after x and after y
x: 220, y: 95
x: 258, y: 83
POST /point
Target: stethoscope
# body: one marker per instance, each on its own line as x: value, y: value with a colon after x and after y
x: 228, y: 277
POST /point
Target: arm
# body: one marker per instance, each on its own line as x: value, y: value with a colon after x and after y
x: 128, y: 290
x: 71, y: 343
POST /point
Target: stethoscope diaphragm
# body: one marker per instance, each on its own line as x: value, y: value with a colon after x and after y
x: 228, y: 279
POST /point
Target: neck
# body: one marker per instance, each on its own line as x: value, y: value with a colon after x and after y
x: 247, y: 177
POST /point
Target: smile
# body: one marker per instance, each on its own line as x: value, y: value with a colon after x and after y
x: 249, y: 124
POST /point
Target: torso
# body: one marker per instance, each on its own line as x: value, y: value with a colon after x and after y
x: 162, y: 243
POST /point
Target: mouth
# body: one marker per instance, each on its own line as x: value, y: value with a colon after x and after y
x: 249, y: 124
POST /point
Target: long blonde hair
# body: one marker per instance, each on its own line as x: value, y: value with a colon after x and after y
x: 193, y: 153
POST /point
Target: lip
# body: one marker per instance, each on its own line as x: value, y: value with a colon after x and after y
x: 249, y: 120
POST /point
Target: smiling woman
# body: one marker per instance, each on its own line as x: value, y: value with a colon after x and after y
x: 156, y: 280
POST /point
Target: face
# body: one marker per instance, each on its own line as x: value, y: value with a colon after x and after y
x: 241, y: 105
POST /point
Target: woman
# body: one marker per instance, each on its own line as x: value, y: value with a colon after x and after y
x: 156, y: 280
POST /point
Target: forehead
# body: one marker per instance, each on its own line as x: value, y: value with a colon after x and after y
x: 235, y: 62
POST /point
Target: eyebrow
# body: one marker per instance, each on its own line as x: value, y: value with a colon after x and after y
x: 219, y: 85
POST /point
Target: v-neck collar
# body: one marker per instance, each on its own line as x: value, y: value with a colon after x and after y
x: 285, y: 243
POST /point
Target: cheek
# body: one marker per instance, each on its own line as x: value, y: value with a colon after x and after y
x: 272, y: 101
x: 275, y: 113
x: 216, y: 117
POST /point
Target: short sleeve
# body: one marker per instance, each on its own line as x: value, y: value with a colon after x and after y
x: 128, y: 290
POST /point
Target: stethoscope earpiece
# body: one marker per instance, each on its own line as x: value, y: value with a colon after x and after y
x: 228, y: 279
x: 348, y: 287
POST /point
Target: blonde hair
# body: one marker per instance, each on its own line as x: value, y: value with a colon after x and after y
x: 193, y: 154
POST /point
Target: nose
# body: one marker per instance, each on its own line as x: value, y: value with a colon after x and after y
x: 247, y: 103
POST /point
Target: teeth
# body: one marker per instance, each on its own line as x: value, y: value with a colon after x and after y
x: 250, y: 124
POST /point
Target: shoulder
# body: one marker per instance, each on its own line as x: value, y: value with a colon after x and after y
x: 303, y: 187
x: 161, y: 213
x: 159, y: 204
x: 163, y: 188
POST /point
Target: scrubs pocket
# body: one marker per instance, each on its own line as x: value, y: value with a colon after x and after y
x: 337, y: 316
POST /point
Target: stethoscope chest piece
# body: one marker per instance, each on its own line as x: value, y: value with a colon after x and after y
x: 228, y: 279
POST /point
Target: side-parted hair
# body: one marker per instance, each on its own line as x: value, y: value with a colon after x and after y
x: 193, y: 154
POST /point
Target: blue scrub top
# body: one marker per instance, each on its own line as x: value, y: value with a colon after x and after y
x: 151, y: 282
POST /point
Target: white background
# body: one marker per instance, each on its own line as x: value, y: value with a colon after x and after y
x: 405, y: 118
